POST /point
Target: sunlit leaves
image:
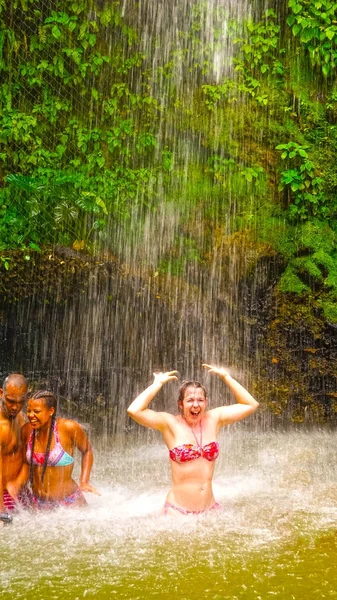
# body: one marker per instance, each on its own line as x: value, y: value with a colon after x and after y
x: 315, y: 24
x: 307, y: 188
x: 71, y: 124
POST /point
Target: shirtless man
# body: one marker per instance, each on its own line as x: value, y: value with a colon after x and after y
x: 191, y: 435
x: 12, y: 397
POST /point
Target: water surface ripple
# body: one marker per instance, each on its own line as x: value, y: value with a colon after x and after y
x: 274, y: 537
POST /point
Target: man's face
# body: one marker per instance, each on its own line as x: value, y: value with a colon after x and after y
x: 13, y: 398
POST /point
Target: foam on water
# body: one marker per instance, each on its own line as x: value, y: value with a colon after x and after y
x: 274, y: 492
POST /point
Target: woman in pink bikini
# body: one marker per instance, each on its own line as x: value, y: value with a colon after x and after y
x: 49, y: 444
x: 191, y: 436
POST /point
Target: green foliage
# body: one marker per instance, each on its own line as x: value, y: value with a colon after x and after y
x: 259, y: 49
x: 186, y: 253
x: 306, y: 186
x: 258, y: 61
x: 329, y: 310
x: 221, y: 167
x: 96, y: 126
x: 314, y: 23
x: 291, y: 283
x: 309, y: 252
x: 70, y: 125
x: 260, y: 55
x: 53, y: 208
x: 5, y: 260
x: 215, y: 93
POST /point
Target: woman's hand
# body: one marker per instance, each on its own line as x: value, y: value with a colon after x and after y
x: 246, y: 404
x: 220, y: 371
x: 138, y: 409
x: 162, y: 378
x: 87, y: 487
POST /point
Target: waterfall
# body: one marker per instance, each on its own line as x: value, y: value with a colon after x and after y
x: 163, y: 291
x: 140, y: 148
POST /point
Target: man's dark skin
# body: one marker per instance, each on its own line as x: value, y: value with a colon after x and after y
x: 12, y: 397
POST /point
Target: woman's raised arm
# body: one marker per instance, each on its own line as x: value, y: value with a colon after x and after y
x: 246, y: 404
x: 138, y: 409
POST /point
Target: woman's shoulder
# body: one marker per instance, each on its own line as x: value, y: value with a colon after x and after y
x: 67, y: 425
x: 211, y: 421
x: 173, y: 420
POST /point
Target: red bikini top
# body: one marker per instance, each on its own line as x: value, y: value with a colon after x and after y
x: 188, y: 452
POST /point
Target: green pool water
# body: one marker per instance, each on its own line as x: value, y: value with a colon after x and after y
x: 275, y: 536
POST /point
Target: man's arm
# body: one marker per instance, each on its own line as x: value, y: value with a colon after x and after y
x: 2, y: 506
x: 14, y: 486
x: 4, y: 440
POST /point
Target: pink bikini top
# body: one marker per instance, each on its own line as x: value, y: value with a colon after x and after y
x: 188, y: 452
x: 57, y: 457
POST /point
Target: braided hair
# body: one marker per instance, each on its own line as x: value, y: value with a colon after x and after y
x: 51, y: 402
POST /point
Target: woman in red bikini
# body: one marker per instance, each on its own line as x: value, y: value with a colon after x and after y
x: 191, y: 436
x: 49, y: 445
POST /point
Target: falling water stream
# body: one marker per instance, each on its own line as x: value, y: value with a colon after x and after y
x: 97, y: 348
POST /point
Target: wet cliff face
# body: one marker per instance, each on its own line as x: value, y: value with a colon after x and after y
x: 294, y: 349
x: 94, y: 332
x: 299, y: 361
